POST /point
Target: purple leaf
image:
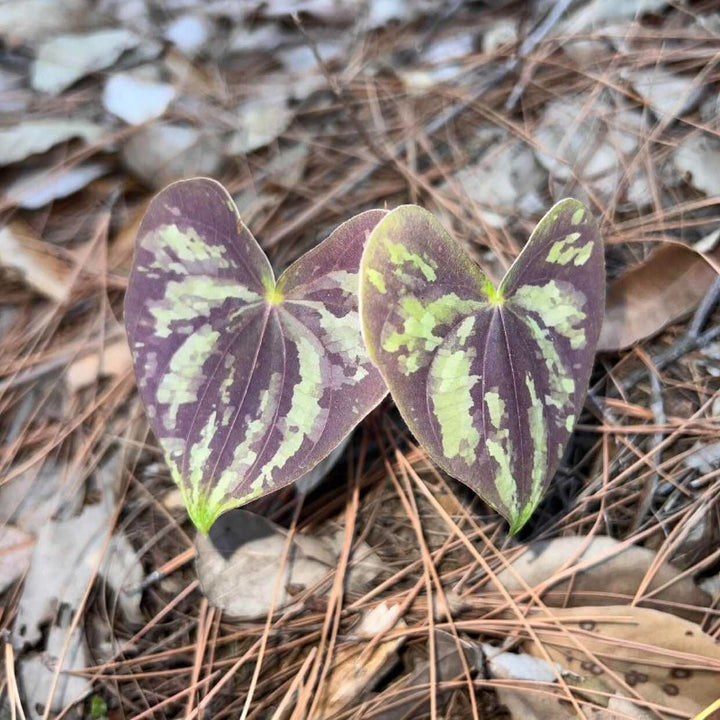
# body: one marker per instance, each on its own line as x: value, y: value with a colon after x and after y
x: 248, y: 383
x: 489, y: 380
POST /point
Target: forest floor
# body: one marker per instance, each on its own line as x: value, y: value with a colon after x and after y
x: 400, y: 593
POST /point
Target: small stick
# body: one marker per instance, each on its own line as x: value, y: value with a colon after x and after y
x: 648, y: 491
x: 705, y: 307
x: 164, y: 570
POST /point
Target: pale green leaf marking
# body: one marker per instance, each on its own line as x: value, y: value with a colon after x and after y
x: 562, y: 383
x: 305, y: 416
x: 174, y: 249
x: 182, y: 380
x: 449, y: 386
x: 558, y: 308
x: 194, y: 297
x: 564, y: 251
x: 189, y: 247
x: 399, y: 255
x: 377, y: 280
x: 496, y: 407
x: 501, y: 452
x: 539, y: 438
x: 421, y: 320
x: 246, y: 453
x: 340, y: 335
x: 578, y: 216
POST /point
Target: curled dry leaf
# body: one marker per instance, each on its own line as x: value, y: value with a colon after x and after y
x: 660, y: 290
x: 163, y: 152
x: 30, y: 499
x: 697, y: 159
x: 586, y: 143
x: 503, y: 180
x: 38, y: 136
x: 611, y: 575
x: 488, y: 379
x: 239, y: 560
x: 65, y: 559
x: 37, y: 262
x: 530, y: 695
x: 64, y: 59
x: 633, y: 652
x: 261, y: 120
x: 135, y: 98
x: 37, y: 188
x: 37, y: 671
x: 668, y: 95
x: 32, y: 20
x: 189, y: 33
x: 238, y: 420
x: 600, y: 13
x: 352, y: 672
x: 112, y: 360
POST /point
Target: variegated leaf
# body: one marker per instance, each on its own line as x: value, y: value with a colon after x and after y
x: 489, y: 380
x: 248, y: 383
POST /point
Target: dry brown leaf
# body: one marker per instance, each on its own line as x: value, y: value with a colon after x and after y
x: 660, y: 290
x: 67, y: 648
x: 64, y: 560
x: 353, y: 673
x: 668, y: 95
x: 33, y: 189
x: 37, y: 262
x: 696, y: 158
x: 238, y: 564
x: 449, y: 666
x: 620, y: 708
x: 63, y: 59
x: 527, y: 699
x: 610, y: 575
x: 113, y: 360
x: 32, y: 137
x: 662, y: 658
x: 33, y: 20
x: 161, y: 153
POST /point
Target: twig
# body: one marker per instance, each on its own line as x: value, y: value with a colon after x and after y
x: 648, y: 491
x: 166, y: 569
x: 705, y: 308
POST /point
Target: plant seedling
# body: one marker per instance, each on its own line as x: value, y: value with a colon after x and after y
x: 488, y: 379
x: 248, y: 382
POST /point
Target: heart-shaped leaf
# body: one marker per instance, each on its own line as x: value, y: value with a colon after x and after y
x: 489, y: 380
x: 248, y: 383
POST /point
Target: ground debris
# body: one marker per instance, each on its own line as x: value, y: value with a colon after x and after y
x: 485, y: 113
x: 241, y: 568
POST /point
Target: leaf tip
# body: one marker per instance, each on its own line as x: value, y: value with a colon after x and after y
x: 203, y: 514
x: 518, y: 519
